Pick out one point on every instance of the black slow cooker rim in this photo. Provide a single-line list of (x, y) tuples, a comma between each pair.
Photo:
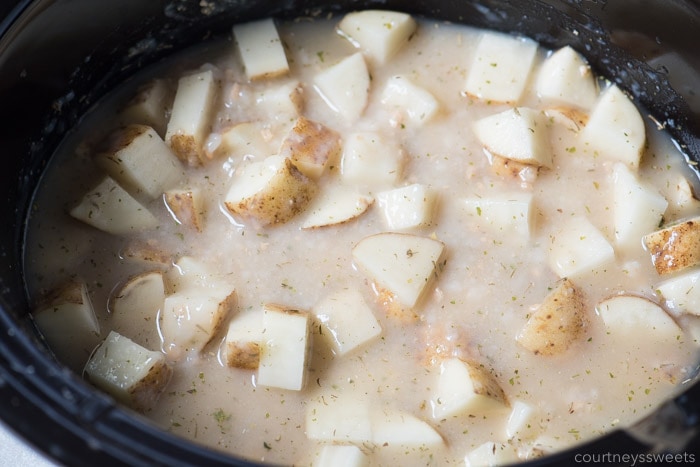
[(93, 429)]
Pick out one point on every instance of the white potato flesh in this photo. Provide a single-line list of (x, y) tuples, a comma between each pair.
[(465, 388), (676, 247), (139, 300), (67, 321), (246, 139), (631, 317), (336, 205), (378, 33), (557, 323), (346, 321), (401, 263), (190, 119), (150, 106), (637, 208), (311, 146), (261, 49), (271, 191), (565, 78), (408, 207), (338, 455), (509, 216), (500, 68), (682, 292), (521, 422), (414, 105), (285, 348), (394, 429), (579, 248), (491, 453), (243, 343), (681, 198), (132, 374), (340, 418), (615, 129), (186, 207), (140, 161), (345, 86), (283, 102), (370, 159), (110, 208), (190, 319), (520, 134)]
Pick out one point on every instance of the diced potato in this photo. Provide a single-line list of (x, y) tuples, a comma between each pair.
[(186, 207), (414, 104), (682, 292), (246, 139), (565, 78), (345, 86), (271, 191), (283, 102), (465, 388), (137, 157), (380, 34), (408, 207), (243, 344), (135, 306), (519, 134), (369, 159), (67, 321), (132, 374), (191, 318), (675, 247), (558, 322), (491, 453), (346, 321), (147, 251), (338, 455), (285, 348), (110, 208), (509, 215), (404, 264), (338, 418), (150, 106), (189, 123), (615, 129), (521, 423), (633, 317), (393, 429), (311, 146), (336, 205), (579, 248), (681, 198), (261, 49), (500, 68), (638, 209)]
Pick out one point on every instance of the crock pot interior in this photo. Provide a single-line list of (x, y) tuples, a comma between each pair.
[(59, 57)]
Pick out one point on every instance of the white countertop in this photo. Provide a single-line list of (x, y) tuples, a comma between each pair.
[(16, 453)]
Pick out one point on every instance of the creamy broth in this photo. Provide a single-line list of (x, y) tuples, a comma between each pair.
[(490, 280)]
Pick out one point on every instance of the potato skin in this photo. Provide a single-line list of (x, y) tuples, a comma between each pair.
[(558, 322), (287, 193), (676, 247)]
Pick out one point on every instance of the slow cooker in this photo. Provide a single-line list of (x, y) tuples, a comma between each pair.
[(59, 57)]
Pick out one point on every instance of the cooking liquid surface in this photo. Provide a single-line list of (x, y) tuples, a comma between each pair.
[(491, 281)]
